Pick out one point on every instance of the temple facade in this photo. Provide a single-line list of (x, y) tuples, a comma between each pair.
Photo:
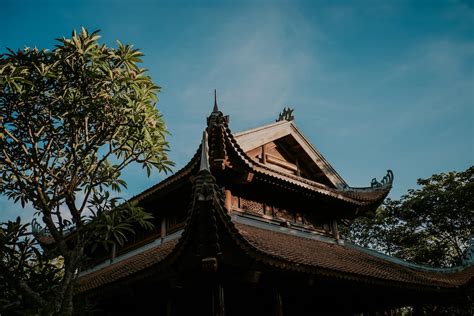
[(250, 227)]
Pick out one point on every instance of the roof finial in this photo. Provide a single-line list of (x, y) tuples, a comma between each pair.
[(215, 102), (286, 115), (204, 153)]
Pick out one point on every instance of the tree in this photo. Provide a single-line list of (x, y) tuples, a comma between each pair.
[(71, 120), (25, 271), (431, 225)]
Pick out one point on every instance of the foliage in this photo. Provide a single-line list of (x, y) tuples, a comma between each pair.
[(24, 272), (430, 225), (112, 223), (71, 120)]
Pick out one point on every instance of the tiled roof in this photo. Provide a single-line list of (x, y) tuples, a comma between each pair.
[(125, 267), (366, 197), (374, 194), (320, 257), (270, 246), (348, 262), (178, 175)]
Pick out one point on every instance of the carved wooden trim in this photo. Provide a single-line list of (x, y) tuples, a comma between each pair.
[(251, 206), (274, 213)]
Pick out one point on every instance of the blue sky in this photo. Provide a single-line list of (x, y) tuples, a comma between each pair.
[(376, 85)]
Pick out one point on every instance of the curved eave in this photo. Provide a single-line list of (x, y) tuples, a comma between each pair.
[(124, 269), (333, 260), (285, 250), (148, 261), (178, 175)]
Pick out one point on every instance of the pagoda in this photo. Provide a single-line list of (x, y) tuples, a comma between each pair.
[(250, 227)]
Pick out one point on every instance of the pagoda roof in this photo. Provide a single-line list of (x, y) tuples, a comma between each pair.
[(283, 249), (303, 253), (126, 267), (310, 256), (294, 253), (230, 150), (210, 232)]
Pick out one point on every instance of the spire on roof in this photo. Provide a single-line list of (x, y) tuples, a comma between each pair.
[(286, 115), (204, 153), (216, 117), (215, 109)]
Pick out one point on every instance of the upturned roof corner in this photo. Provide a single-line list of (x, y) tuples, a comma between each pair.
[(386, 181)]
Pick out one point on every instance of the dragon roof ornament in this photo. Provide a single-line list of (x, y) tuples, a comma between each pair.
[(386, 180), (286, 115)]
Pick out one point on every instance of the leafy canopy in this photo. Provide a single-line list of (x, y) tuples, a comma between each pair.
[(71, 120), (25, 271), (429, 225)]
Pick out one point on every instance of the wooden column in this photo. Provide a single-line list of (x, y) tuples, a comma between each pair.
[(264, 155), (113, 252), (278, 304), (163, 227), (335, 230), (218, 307), (228, 200), (169, 307)]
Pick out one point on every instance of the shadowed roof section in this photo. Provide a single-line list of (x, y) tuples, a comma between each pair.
[(125, 267), (294, 253), (343, 261)]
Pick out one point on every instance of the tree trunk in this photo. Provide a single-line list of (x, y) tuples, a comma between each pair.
[(65, 303)]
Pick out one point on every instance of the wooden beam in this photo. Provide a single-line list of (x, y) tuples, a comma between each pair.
[(228, 200), (281, 163)]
